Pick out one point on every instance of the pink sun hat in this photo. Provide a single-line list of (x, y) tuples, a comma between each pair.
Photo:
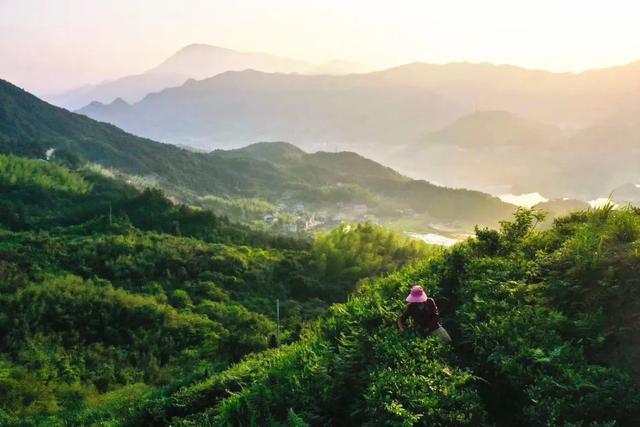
[(417, 295)]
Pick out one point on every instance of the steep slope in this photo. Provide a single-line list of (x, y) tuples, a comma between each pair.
[(31, 127), (108, 294), (541, 328), (195, 61)]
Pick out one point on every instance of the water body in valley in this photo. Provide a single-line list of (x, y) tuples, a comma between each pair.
[(526, 200)]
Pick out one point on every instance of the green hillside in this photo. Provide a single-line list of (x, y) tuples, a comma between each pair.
[(29, 127), (265, 172), (122, 307), (161, 315), (545, 333), (108, 293)]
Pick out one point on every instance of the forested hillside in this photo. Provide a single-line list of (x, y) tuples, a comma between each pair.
[(121, 308), (282, 173), (201, 236), (108, 293), (545, 331)]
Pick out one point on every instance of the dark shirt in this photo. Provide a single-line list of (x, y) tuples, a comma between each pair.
[(424, 315)]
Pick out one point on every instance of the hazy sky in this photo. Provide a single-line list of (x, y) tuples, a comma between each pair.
[(51, 45)]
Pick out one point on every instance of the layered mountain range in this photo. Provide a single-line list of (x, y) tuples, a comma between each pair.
[(195, 61), (500, 152), (273, 172), (496, 128)]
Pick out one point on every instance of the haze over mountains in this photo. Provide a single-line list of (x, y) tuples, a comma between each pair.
[(347, 184), (495, 128), (573, 100), (237, 108), (195, 61), (201, 236), (500, 152)]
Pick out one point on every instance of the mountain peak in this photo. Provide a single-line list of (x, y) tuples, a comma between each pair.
[(119, 102), (493, 127), (494, 117), (197, 61), (273, 151), (102, 111), (95, 104), (200, 48)]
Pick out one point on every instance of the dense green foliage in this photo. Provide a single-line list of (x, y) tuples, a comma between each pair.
[(545, 333), (47, 176), (38, 195), (244, 210), (121, 307), (108, 293), (137, 320), (348, 254)]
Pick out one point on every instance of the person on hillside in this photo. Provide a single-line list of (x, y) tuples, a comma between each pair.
[(424, 315), (273, 341)]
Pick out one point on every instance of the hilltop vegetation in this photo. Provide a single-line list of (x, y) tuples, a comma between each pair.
[(108, 293)]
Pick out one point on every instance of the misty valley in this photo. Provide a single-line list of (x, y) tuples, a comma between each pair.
[(244, 239)]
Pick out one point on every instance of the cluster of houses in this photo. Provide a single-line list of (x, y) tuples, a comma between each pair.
[(298, 219)]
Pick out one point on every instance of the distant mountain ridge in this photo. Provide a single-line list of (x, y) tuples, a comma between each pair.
[(481, 150), (233, 109), (567, 100), (489, 121), (195, 61), (500, 152), (493, 128), (269, 171)]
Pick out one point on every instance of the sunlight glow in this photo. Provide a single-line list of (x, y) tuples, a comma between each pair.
[(526, 200), (70, 42)]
